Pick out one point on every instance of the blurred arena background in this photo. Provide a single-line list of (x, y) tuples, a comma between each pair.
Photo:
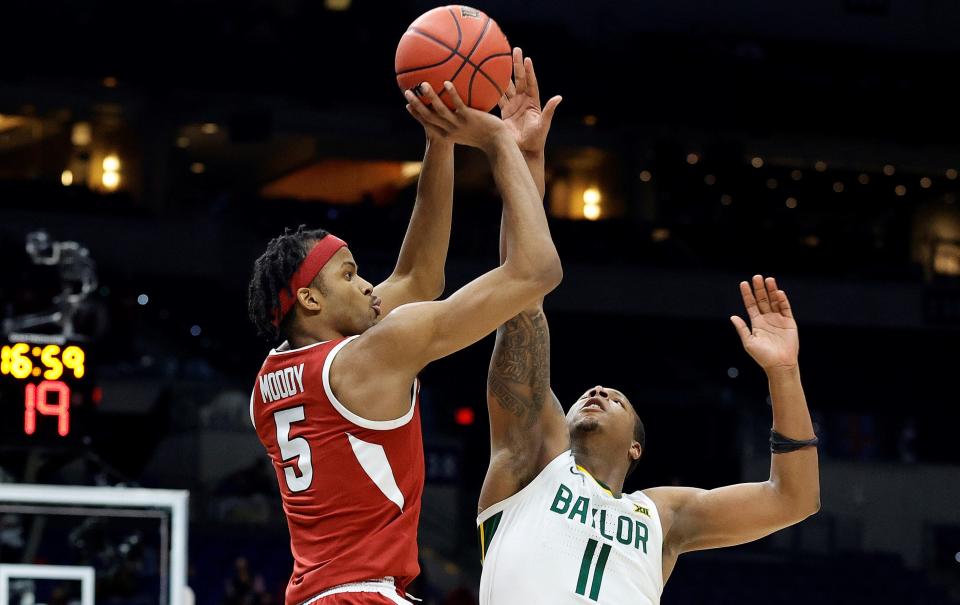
[(148, 151)]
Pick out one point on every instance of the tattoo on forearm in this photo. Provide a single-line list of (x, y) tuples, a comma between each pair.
[(519, 375)]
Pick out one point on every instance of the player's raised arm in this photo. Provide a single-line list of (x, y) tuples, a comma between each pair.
[(521, 112), (698, 519), (527, 427), (413, 335), (419, 273)]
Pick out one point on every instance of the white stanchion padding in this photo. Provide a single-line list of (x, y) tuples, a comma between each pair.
[(84, 575), (176, 501)]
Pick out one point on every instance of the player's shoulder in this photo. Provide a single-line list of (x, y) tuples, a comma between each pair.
[(285, 351), (668, 499), (562, 466), (643, 498), (561, 461), (669, 494), (398, 326), (284, 354), (545, 482)]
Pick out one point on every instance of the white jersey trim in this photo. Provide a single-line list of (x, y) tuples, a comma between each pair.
[(376, 425), (561, 460), (252, 421), (384, 587), (298, 349), (373, 459)]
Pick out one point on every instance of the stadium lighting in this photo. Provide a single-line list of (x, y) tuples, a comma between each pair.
[(81, 134), (591, 197), (111, 180), (111, 163), (410, 169)]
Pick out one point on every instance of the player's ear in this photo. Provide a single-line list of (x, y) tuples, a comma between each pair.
[(635, 450), (311, 299)]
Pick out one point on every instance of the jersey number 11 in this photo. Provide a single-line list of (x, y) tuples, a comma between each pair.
[(587, 563)]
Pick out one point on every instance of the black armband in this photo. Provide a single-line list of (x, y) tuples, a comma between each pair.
[(783, 445)]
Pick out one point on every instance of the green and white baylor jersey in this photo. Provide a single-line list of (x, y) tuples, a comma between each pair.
[(564, 538)]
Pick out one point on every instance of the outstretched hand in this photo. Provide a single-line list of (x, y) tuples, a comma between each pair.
[(772, 339), (462, 125), (520, 107)]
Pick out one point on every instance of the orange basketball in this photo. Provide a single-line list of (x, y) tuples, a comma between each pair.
[(459, 44)]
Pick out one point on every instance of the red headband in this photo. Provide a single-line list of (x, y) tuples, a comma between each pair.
[(309, 268)]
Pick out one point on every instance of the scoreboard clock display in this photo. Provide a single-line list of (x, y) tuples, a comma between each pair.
[(46, 390)]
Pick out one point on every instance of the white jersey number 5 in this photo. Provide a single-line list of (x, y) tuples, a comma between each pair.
[(294, 448)]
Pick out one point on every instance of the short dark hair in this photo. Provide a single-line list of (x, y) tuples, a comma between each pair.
[(640, 436), (272, 273)]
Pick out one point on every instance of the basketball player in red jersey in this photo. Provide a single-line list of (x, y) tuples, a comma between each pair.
[(336, 405)]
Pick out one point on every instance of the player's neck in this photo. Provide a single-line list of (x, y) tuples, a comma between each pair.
[(305, 335), (601, 467)]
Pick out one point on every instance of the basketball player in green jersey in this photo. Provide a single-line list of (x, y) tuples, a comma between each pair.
[(554, 524)]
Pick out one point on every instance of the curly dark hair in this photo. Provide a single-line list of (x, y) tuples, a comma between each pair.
[(272, 273)]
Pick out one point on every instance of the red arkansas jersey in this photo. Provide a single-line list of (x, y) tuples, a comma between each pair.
[(350, 486)]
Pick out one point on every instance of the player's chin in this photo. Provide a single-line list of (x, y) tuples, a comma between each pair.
[(363, 324), (585, 424)]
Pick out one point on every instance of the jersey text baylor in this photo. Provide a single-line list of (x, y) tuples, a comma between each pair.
[(565, 539)]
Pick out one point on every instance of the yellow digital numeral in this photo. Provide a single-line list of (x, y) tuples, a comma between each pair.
[(20, 366), (5, 360), (49, 359), (73, 358)]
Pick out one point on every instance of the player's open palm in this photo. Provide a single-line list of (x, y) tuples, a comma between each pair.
[(520, 106), (771, 339)]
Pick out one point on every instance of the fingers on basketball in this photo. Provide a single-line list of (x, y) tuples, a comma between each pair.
[(424, 114), (436, 105), (458, 104)]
